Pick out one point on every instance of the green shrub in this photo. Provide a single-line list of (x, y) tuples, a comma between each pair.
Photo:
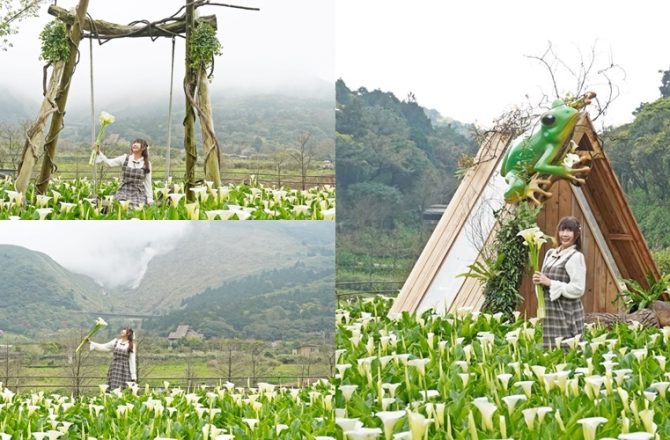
[(662, 258), (54, 42)]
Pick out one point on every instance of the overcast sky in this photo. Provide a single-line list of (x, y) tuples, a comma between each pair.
[(114, 253), (289, 42), (466, 59)]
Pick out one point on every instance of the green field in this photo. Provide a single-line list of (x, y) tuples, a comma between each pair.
[(53, 366), (73, 164)]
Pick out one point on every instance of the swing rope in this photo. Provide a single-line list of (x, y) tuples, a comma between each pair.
[(95, 186), (169, 137)]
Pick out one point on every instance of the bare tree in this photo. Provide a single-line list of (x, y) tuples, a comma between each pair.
[(189, 373), (79, 367), (256, 359), (231, 366), (11, 139), (303, 157), (12, 366), (280, 158), (305, 367), (589, 73), (144, 368), (331, 361)]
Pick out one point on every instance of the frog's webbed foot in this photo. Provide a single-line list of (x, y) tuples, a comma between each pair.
[(536, 190), (577, 166), (577, 181), (572, 146), (578, 173)]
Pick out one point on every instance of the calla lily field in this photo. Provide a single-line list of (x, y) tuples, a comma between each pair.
[(215, 413), (76, 199), (471, 375), (467, 375)]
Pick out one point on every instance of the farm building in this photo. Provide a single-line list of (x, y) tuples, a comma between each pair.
[(184, 331)]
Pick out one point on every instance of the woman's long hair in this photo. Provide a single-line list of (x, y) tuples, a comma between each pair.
[(572, 224), (145, 152), (129, 334)]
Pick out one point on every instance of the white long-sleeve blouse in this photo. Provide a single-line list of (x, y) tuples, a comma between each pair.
[(109, 346), (576, 268), (132, 163)]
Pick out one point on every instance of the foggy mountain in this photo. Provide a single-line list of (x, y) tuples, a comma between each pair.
[(251, 120), (292, 263), (227, 251)]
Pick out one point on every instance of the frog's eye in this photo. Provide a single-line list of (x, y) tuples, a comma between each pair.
[(548, 120)]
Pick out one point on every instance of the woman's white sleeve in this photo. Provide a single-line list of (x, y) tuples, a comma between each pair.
[(576, 268), (148, 187), (109, 346), (132, 363), (116, 162)]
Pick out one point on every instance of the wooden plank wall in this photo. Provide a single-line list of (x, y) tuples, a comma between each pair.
[(601, 287), (619, 227)]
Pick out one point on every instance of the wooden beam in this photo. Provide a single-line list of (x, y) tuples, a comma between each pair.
[(105, 30), (620, 237)]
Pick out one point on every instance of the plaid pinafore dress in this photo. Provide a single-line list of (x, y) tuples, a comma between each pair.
[(132, 186), (118, 375), (564, 316)]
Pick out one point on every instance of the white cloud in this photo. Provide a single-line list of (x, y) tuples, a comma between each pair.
[(114, 253), (467, 59)]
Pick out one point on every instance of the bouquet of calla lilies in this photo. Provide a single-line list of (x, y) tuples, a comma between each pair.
[(99, 323), (105, 120), (534, 238)]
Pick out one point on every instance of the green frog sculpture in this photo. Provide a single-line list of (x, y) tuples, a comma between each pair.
[(542, 153)]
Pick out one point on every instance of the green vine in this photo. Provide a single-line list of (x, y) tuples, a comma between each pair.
[(204, 46), (504, 274), (54, 42)]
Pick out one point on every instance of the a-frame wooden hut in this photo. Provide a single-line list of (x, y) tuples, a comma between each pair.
[(612, 242)]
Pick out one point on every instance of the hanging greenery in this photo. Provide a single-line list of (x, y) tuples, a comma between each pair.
[(504, 274), (204, 46), (54, 42)]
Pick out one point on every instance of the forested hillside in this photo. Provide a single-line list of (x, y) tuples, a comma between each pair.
[(37, 294), (281, 304), (393, 162), (640, 154)]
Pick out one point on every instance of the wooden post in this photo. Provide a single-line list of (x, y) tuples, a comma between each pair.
[(35, 134), (190, 79), (211, 149), (48, 165)]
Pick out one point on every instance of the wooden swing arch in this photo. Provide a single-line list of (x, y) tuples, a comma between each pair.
[(82, 25)]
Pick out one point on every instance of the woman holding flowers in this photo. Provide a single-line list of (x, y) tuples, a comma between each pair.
[(564, 276), (136, 182), (123, 368)]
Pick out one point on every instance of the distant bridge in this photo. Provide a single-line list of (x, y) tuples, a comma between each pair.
[(119, 315)]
